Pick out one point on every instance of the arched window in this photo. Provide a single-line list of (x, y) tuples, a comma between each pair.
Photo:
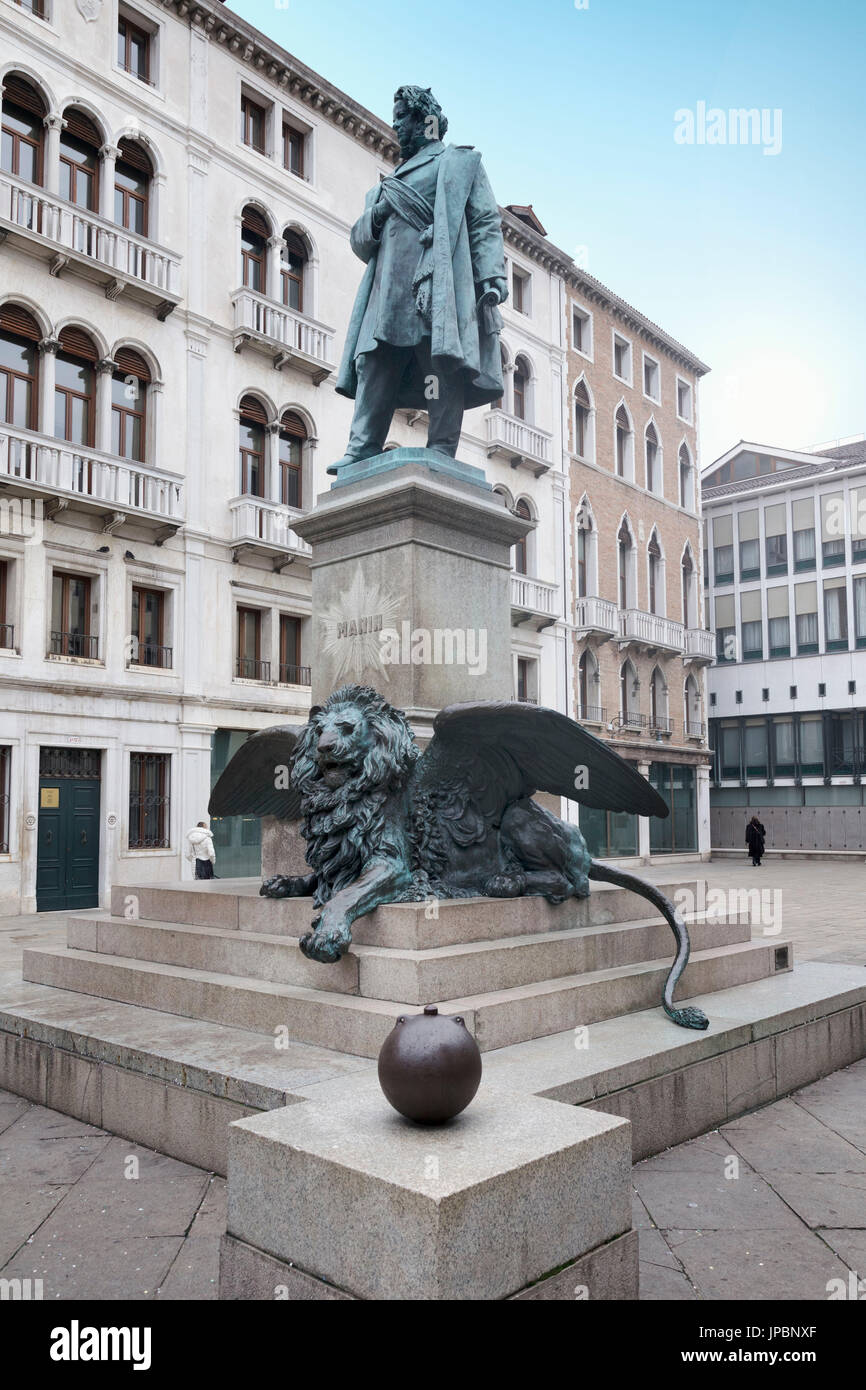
[(582, 557), (254, 246), (628, 691), (587, 683), (655, 576), (253, 422), (521, 389), (583, 683), (623, 443), (75, 387), (23, 129), (521, 556), (129, 383), (293, 435), (688, 575), (294, 265), (692, 698), (19, 337), (658, 701), (582, 420), (626, 560), (80, 143), (651, 444), (132, 177), (686, 499)]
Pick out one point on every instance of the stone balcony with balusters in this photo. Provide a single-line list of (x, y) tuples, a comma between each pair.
[(288, 337), (74, 240)]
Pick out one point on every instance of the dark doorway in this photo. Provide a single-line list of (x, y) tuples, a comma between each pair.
[(67, 866)]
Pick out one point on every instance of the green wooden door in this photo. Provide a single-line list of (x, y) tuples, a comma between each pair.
[(67, 865)]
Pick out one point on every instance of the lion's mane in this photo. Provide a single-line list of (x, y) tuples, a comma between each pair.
[(343, 826)]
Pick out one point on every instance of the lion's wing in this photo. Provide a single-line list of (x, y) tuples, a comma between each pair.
[(255, 782), (498, 753)]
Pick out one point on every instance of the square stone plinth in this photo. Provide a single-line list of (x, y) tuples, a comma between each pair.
[(381, 1208)]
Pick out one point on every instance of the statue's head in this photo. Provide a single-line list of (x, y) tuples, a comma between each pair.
[(418, 118), (354, 739)]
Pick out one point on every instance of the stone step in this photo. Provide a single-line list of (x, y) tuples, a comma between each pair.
[(175, 1083), (358, 1025), (235, 905), (406, 977)]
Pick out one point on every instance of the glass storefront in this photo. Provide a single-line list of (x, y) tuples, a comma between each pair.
[(678, 832), (237, 839)]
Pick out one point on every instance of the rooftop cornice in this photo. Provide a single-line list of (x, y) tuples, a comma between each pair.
[(267, 59), (552, 258)]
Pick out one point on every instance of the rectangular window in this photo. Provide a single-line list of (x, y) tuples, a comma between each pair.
[(249, 663), (776, 539), (835, 616), (684, 400), (860, 610), (723, 549), (803, 517), (526, 678), (294, 150), (147, 636), (751, 617), (778, 621), (34, 7), (832, 529), (70, 617), (520, 287), (291, 670), (750, 545), (7, 631), (253, 123), (622, 358), (581, 331), (730, 751), (858, 523), (651, 378), (756, 749), (726, 631), (806, 617), (149, 800), (783, 747), (811, 746), (133, 49)]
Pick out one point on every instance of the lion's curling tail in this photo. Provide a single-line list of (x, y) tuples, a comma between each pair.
[(688, 1017)]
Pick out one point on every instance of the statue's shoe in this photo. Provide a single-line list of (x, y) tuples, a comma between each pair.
[(334, 468)]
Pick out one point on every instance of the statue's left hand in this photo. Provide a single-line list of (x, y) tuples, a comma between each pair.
[(498, 284)]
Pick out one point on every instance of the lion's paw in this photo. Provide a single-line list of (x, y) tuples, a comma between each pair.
[(511, 885), (328, 941)]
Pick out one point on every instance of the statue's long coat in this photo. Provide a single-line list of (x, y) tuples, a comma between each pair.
[(467, 248)]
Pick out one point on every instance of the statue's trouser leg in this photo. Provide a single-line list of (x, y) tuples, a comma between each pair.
[(445, 408), (379, 375)]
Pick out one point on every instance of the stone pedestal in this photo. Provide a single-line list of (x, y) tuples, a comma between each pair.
[(411, 575), (345, 1198)]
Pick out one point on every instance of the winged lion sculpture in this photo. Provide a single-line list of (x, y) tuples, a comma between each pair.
[(385, 822)]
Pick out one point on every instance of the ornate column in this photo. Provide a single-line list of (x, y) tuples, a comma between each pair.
[(105, 368), (270, 487), (51, 155), (273, 288), (48, 349), (108, 154)]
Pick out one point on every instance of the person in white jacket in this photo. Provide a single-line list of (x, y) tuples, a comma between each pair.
[(200, 850)]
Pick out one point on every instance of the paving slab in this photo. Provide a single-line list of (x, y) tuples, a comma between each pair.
[(823, 1199), (757, 1264), (703, 1201), (787, 1137)]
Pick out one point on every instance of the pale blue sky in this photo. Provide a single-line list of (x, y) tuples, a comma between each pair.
[(754, 261)]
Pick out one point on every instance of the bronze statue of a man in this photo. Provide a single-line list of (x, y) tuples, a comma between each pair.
[(424, 331)]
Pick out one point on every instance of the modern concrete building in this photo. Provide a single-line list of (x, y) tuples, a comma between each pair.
[(785, 566), (176, 194)]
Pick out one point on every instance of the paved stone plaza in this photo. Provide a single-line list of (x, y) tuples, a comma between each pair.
[(772, 1205)]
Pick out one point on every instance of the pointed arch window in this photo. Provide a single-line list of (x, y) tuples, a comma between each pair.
[(254, 242), (582, 416), (23, 132), (686, 499), (293, 436), (651, 443), (19, 375), (521, 389), (624, 549), (80, 143), (623, 442), (655, 574), (688, 579)]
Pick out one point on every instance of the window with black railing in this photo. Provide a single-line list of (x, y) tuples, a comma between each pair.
[(149, 800), (147, 638), (70, 633)]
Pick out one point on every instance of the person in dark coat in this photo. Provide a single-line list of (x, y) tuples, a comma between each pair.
[(755, 835)]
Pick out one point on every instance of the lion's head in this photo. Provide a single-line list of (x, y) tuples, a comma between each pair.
[(356, 741)]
